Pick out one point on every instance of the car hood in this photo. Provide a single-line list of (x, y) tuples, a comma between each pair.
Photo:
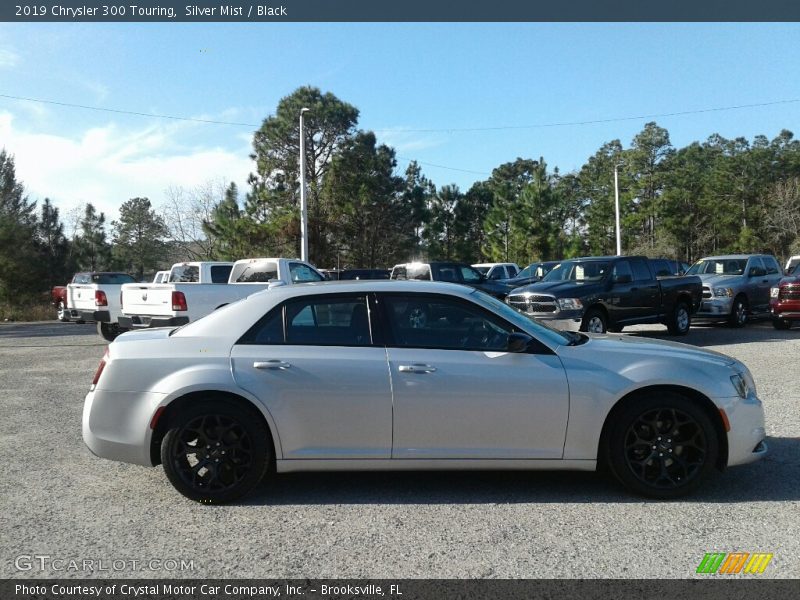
[(560, 289), (602, 347), (714, 280)]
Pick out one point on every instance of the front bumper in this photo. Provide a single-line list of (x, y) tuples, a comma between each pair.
[(116, 425), (714, 308), (145, 321), (746, 439)]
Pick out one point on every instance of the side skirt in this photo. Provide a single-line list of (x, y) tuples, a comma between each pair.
[(458, 464)]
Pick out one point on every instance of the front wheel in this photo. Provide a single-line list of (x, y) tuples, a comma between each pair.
[(680, 320), (61, 312), (215, 451), (781, 323), (738, 316), (662, 446), (594, 321)]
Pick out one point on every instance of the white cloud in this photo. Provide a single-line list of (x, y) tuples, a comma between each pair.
[(108, 165), (408, 141), (8, 58)]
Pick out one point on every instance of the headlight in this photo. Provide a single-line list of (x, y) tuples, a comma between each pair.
[(570, 304), (740, 385), (773, 292), (723, 292)]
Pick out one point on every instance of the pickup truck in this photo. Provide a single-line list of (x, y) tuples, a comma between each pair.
[(197, 289), (95, 297), (606, 293), (453, 272), (58, 298), (784, 302), (736, 287)]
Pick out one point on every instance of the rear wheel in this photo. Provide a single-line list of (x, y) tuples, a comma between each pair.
[(738, 316), (781, 323), (594, 321), (680, 320), (215, 451), (61, 312), (662, 446)]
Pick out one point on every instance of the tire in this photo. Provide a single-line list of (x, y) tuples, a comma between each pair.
[(61, 312), (680, 320), (594, 321), (781, 323), (661, 446), (236, 451), (738, 316), (109, 331)]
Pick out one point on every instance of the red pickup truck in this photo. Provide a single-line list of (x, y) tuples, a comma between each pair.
[(58, 298), (784, 301)]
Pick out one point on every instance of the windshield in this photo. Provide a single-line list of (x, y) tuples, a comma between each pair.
[(572, 270), (519, 318), (718, 266)]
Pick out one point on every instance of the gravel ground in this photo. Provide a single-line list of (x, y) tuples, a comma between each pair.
[(60, 501)]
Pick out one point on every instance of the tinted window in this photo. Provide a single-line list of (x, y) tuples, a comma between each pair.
[(771, 264), (220, 273), (418, 321), (184, 274), (661, 267), (469, 275), (447, 273), (268, 330), (328, 321), (640, 270), (301, 273), (499, 272), (257, 271), (512, 271), (112, 278), (622, 267)]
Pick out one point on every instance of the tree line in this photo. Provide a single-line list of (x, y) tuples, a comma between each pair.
[(719, 195)]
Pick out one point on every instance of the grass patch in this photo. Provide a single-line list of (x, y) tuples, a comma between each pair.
[(32, 312)]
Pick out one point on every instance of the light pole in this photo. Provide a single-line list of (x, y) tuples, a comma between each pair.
[(303, 207), (616, 206)]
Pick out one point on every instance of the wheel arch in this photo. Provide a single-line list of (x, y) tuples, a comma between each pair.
[(174, 407), (599, 306), (704, 402)]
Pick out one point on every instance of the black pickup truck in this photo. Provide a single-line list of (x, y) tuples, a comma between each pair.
[(606, 293)]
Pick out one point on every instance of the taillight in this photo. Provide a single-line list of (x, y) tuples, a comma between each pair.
[(100, 298), (99, 370), (178, 301)]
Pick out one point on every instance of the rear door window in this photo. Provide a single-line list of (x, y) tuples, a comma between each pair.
[(220, 273), (641, 272), (326, 321)]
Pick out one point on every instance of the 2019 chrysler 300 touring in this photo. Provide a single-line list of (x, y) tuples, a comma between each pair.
[(412, 375)]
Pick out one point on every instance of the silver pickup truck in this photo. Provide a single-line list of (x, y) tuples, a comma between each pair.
[(736, 286)]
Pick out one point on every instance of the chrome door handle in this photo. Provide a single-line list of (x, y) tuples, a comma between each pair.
[(416, 368), (271, 364)]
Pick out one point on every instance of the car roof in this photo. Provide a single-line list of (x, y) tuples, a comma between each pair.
[(734, 256), (367, 285)]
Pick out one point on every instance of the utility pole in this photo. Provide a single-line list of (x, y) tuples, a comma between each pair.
[(303, 203), (616, 207)]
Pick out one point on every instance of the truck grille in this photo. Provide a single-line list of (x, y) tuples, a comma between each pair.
[(706, 291), (789, 292), (533, 304)]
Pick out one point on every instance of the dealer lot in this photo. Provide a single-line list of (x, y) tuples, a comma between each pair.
[(64, 503)]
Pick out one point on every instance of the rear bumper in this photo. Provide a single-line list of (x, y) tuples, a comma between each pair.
[(145, 321), (100, 316)]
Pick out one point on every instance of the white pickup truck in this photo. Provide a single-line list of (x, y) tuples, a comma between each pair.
[(186, 299), (95, 297)]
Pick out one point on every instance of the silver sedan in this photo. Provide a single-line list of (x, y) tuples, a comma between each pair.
[(412, 375)]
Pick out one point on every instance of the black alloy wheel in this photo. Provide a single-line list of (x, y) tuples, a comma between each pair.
[(662, 447), (216, 453), (738, 316)]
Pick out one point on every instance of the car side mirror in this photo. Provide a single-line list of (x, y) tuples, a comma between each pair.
[(625, 278), (518, 342)]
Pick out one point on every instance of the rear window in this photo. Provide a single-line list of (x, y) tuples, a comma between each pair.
[(260, 271), (112, 278), (185, 274), (418, 272)]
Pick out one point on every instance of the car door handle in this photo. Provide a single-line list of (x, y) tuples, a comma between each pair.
[(416, 368), (271, 364)]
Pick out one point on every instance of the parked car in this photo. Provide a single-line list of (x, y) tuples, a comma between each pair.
[(495, 271), (358, 274), (736, 287), (607, 293), (195, 290), (784, 303), (58, 298), (791, 264), (96, 297), (453, 272), (531, 274), (267, 384)]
